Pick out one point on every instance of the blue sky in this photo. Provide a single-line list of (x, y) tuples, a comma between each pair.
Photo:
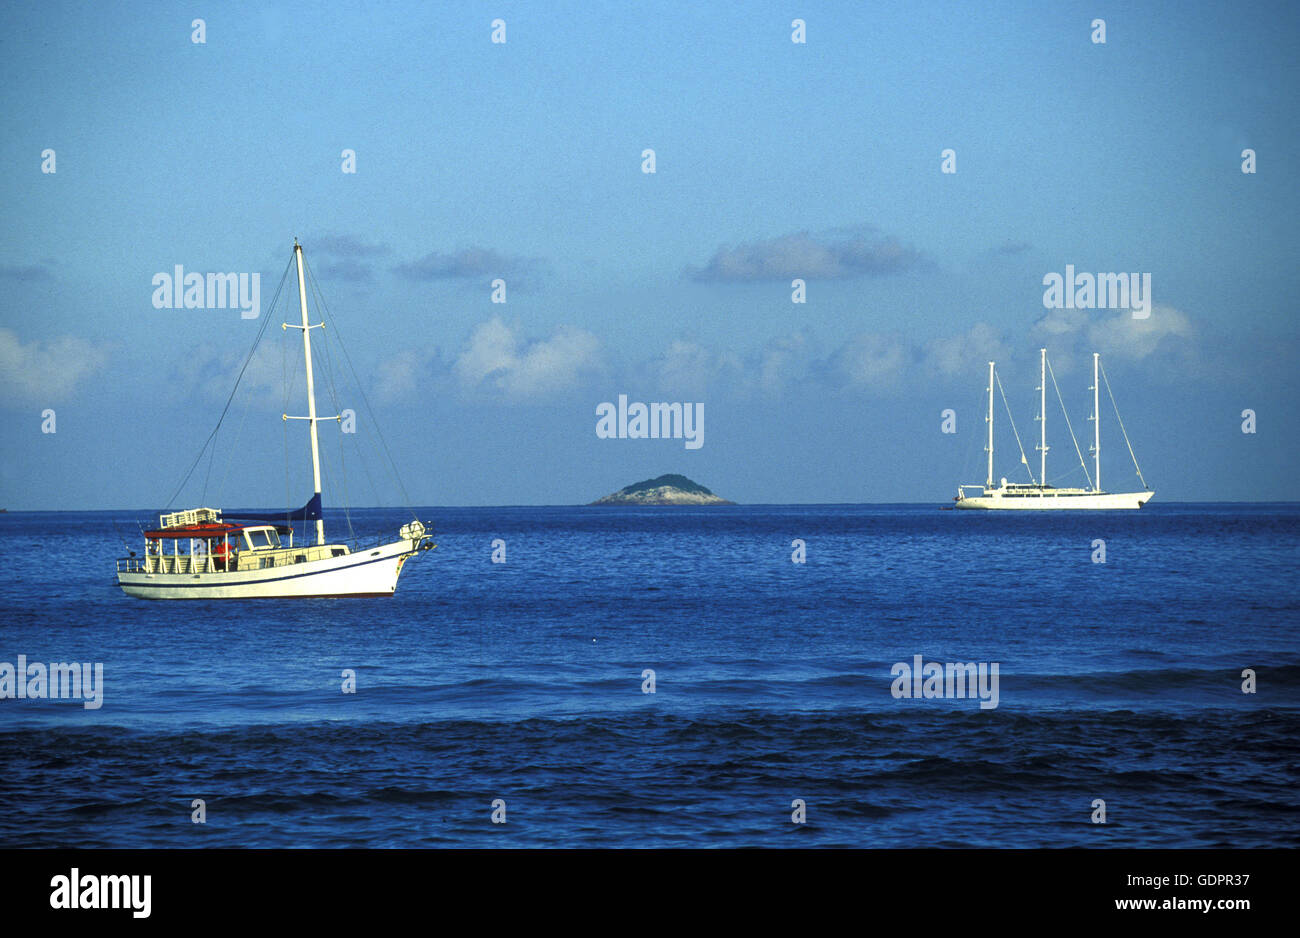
[(523, 160)]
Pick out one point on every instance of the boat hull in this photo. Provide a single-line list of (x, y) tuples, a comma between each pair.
[(1053, 501), (371, 572)]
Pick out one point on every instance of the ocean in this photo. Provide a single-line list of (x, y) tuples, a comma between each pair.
[(516, 692)]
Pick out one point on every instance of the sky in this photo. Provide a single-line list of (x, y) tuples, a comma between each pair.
[(525, 161)]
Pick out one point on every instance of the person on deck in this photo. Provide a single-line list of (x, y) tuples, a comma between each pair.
[(219, 554)]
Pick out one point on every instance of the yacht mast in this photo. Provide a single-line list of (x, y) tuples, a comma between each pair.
[(989, 419), (311, 387), (1096, 427), (1042, 415)]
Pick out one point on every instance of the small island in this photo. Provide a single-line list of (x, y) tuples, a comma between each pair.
[(665, 490)]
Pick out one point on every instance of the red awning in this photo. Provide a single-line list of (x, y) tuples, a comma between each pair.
[(185, 531)]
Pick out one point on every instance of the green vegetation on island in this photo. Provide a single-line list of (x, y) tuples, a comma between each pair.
[(669, 489)]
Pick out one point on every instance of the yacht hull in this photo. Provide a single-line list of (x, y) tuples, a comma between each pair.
[(372, 572), (1052, 501)]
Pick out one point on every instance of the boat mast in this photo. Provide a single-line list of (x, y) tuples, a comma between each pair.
[(1096, 427), (1042, 415), (311, 387), (988, 484)]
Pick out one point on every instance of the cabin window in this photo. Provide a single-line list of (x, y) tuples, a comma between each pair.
[(262, 539)]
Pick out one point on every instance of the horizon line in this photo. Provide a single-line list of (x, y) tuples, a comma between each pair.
[(1166, 501)]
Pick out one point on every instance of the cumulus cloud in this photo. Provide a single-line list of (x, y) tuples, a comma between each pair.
[(402, 375), (784, 361), (472, 263), (344, 257), (1114, 334), (496, 358), (46, 371), (686, 367), (212, 375), (884, 362), (1137, 338), (871, 360), (835, 256), (957, 353), (347, 269)]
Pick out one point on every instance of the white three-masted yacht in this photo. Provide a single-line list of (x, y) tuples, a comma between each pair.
[(195, 554), (1037, 495)]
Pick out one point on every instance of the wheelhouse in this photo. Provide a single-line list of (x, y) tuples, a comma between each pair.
[(198, 541)]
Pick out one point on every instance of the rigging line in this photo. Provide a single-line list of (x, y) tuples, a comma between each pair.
[(328, 371), (260, 332), (335, 401), (288, 511), (374, 489), (970, 447), (120, 537), (212, 458), (1012, 420), (1121, 427), (239, 433), (290, 371), (365, 467), (374, 422), (284, 424), (1066, 413), (406, 498)]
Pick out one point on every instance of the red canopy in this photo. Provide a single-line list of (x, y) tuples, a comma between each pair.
[(185, 531)]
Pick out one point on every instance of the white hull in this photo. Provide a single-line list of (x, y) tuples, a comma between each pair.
[(1055, 501), (371, 572)]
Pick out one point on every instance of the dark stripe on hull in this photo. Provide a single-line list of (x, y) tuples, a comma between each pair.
[(199, 599), (278, 579)]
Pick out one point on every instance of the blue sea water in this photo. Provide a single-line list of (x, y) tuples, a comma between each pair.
[(523, 681)]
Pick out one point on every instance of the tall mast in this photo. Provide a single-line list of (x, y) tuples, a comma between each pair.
[(311, 387), (1042, 415), (989, 419), (1096, 426)]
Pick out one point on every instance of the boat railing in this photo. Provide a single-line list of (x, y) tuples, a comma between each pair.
[(167, 563), (243, 560)]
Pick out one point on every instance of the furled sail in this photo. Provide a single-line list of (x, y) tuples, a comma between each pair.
[(308, 512)]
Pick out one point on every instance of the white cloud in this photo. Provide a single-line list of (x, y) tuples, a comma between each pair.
[(831, 256), (960, 352), (784, 361), (1071, 334), (402, 375), (1137, 338), (871, 360), (46, 371), (496, 357), (688, 367)]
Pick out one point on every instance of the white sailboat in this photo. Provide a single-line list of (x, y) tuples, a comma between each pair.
[(212, 558), (1037, 495)]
